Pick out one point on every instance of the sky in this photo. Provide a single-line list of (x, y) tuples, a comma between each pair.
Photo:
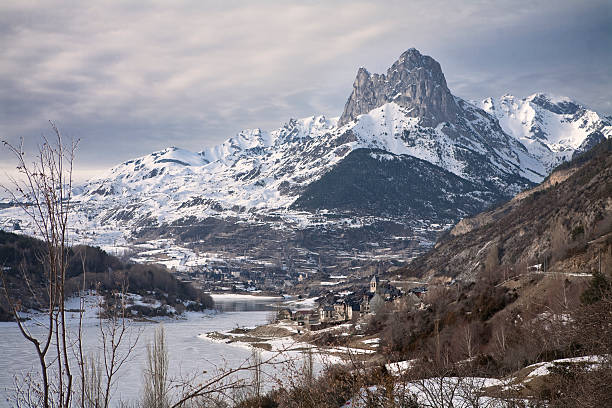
[(128, 78)]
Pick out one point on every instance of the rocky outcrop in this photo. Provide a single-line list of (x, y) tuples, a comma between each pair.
[(414, 81)]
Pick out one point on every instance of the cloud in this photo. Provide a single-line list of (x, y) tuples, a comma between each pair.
[(132, 77)]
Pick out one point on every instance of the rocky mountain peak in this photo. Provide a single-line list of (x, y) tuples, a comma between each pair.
[(558, 105), (414, 81)]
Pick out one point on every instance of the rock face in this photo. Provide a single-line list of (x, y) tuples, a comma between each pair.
[(414, 81)]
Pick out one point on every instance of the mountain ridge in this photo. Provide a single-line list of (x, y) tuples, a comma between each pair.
[(275, 177), (553, 129), (258, 170)]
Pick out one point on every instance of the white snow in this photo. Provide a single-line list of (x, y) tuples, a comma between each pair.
[(543, 369), (400, 367), (459, 392), (548, 136), (259, 173)]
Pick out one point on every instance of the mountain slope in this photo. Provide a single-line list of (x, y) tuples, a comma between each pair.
[(552, 128), (451, 158), (562, 223), (258, 170), (379, 182)]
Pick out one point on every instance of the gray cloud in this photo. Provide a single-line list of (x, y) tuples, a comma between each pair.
[(132, 77)]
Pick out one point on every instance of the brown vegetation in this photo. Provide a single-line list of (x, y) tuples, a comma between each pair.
[(545, 226)]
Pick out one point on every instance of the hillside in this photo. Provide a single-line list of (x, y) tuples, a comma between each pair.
[(520, 294), (562, 224), (23, 278), (418, 189), (511, 329)]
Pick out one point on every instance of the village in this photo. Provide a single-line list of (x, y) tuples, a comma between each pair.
[(334, 306), (331, 318), (315, 295)]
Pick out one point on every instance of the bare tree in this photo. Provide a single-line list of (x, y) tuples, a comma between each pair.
[(156, 384), (308, 366), (118, 340), (257, 382), (92, 393), (439, 387), (500, 339), (43, 190)]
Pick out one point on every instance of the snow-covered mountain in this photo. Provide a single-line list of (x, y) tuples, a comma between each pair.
[(552, 129), (259, 170), (404, 149), (269, 170)]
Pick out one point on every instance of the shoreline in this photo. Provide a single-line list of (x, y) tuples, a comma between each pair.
[(286, 336), (243, 296)]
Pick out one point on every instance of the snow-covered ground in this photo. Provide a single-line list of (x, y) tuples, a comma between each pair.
[(461, 391), (544, 369), (457, 392), (287, 350), (400, 367)]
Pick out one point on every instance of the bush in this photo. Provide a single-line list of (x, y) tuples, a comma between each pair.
[(598, 288), (576, 232)]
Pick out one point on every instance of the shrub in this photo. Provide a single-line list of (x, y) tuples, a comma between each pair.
[(598, 287)]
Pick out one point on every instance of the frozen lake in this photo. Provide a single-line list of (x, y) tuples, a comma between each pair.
[(188, 353)]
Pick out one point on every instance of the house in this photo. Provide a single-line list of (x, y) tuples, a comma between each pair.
[(346, 310), (326, 313), (410, 301), (304, 317), (364, 305), (418, 291), (340, 311)]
